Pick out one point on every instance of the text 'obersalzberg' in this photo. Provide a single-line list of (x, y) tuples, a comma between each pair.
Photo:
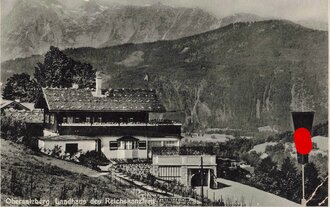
[(61, 202)]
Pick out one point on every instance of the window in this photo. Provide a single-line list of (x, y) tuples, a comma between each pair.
[(99, 119), (88, 119), (170, 143), (142, 145), (71, 148), (121, 145), (70, 119), (51, 119), (135, 144), (76, 120), (65, 119), (113, 145), (131, 119), (155, 143), (169, 173), (129, 145)]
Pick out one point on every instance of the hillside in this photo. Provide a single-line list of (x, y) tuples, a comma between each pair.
[(243, 75), (25, 174), (314, 24), (241, 17)]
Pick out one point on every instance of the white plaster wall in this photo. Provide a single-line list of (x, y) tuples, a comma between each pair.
[(175, 142), (121, 154), (143, 154), (84, 145), (105, 148)]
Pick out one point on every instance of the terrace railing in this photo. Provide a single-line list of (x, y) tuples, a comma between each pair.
[(198, 150)]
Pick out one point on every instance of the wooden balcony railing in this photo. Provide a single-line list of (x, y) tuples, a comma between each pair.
[(119, 129), (120, 124)]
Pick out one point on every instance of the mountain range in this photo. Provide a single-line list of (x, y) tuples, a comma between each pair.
[(48, 23), (242, 75), (98, 24)]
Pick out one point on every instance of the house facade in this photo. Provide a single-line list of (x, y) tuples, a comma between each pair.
[(186, 169), (116, 122)]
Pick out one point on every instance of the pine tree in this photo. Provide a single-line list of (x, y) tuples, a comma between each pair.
[(312, 180), (289, 181), (265, 175)]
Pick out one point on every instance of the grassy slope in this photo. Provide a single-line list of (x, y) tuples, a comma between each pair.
[(235, 68), (48, 180)]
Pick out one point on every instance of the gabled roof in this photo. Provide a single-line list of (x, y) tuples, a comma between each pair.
[(6, 104), (120, 100), (127, 138)]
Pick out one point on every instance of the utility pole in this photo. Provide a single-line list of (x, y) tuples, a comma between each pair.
[(303, 200), (202, 181), (302, 125)]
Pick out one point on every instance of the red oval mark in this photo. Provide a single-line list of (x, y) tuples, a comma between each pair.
[(303, 141)]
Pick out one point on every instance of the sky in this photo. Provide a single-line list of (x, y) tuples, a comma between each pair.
[(284, 9)]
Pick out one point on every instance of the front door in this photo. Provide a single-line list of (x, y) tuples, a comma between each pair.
[(196, 178)]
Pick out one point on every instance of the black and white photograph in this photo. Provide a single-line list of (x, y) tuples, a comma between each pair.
[(164, 103)]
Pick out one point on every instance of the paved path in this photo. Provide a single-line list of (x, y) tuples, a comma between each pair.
[(251, 196)]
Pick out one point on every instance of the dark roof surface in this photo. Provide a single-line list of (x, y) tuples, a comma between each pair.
[(121, 100), (5, 103), (35, 116), (67, 138)]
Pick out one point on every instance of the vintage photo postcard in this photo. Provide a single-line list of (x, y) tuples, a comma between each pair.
[(164, 103)]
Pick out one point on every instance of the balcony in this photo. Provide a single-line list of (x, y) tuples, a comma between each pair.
[(151, 129), (96, 124)]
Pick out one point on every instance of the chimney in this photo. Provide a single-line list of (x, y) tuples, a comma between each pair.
[(98, 81)]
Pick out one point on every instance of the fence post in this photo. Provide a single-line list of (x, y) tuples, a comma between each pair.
[(213, 198)]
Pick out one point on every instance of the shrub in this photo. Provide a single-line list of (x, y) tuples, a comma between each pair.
[(19, 132), (56, 151), (14, 130), (92, 159)]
